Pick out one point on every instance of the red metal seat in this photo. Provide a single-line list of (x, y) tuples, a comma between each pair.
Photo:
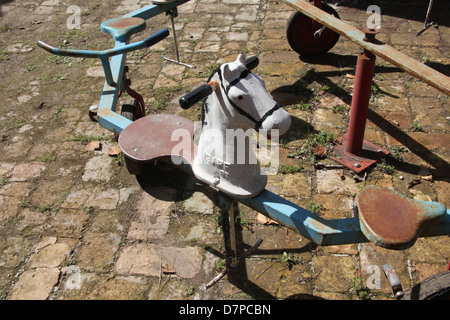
[(122, 28), (391, 220), (155, 137)]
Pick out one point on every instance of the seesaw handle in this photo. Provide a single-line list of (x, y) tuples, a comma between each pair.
[(200, 93), (153, 39), (104, 55), (252, 63)]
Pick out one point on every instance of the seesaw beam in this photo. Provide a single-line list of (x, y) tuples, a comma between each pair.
[(384, 51)]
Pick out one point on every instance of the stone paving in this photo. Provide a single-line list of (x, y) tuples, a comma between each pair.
[(75, 224)]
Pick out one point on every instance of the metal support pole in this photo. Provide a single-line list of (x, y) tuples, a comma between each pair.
[(232, 232), (426, 25), (394, 281), (353, 151), (173, 13), (430, 5), (360, 103), (318, 5)]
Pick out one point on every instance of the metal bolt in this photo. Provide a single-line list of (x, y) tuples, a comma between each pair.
[(398, 295), (136, 149), (357, 165), (216, 181), (318, 33), (370, 34)]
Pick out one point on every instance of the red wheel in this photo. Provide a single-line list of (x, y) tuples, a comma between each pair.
[(300, 34)]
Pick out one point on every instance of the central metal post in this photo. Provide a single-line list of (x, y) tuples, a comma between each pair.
[(232, 232), (360, 102), (353, 151)]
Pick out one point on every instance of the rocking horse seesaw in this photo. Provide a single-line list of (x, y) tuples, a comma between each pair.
[(235, 100), (382, 215), (232, 95)]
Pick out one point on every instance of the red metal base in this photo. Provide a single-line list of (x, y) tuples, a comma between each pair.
[(369, 155)]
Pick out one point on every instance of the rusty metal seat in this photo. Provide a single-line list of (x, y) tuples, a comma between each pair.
[(393, 221), (156, 137), (122, 28)]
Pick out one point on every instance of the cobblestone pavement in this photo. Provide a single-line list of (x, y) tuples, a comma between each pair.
[(75, 224)]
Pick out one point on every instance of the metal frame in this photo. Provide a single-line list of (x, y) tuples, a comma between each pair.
[(107, 117), (114, 69)]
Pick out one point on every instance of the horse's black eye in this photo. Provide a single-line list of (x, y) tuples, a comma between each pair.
[(240, 97)]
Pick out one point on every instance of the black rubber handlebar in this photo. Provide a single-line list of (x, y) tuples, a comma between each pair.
[(200, 93), (196, 95), (252, 63)]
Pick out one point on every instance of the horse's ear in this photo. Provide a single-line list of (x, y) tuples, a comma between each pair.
[(241, 59), (227, 72), (234, 67)]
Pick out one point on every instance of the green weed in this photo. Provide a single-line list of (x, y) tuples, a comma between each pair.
[(360, 289), (375, 92), (289, 260), (314, 208), (340, 108), (303, 106), (84, 138), (47, 159), (287, 169), (386, 168), (416, 127)]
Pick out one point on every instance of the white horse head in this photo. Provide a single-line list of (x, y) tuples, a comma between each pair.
[(225, 157)]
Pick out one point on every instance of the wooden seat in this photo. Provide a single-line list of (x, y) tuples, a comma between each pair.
[(122, 28), (391, 220)]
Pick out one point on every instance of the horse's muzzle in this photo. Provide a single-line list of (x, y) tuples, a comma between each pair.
[(280, 120)]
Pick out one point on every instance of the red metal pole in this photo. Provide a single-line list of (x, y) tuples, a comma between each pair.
[(316, 25), (318, 3), (360, 102)]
